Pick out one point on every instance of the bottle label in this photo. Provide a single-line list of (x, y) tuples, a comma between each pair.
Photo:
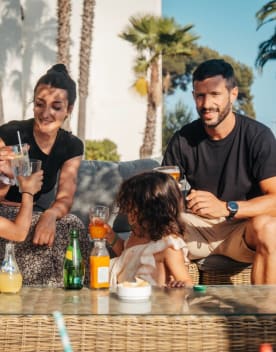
[(103, 273), (69, 254)]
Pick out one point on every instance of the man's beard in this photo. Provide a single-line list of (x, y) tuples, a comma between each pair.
[(224, 113)]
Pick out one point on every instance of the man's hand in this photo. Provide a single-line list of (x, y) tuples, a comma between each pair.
[(45, 229), (205, 204)]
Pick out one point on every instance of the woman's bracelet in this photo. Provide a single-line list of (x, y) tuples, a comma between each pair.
[(29, 193), (116, 237)]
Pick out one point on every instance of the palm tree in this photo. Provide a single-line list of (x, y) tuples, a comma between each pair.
[(84, 65), (63, 36), (154, 37), (64, 9), (267, 49)]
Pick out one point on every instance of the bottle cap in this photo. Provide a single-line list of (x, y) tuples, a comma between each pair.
[(74, 233), (200, 288)]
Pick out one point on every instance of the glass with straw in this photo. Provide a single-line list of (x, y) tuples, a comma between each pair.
[(20, 164)]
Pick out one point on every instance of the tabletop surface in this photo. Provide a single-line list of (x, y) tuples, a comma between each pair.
[(216, 300)]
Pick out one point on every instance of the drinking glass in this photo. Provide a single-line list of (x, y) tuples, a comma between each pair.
[(20, 164), (172, 170), (35, 165), (98, 215)]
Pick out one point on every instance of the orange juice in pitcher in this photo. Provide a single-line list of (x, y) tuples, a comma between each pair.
[(10, 276), (10, 282)]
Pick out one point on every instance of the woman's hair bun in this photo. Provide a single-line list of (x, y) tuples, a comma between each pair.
[(58, 68)]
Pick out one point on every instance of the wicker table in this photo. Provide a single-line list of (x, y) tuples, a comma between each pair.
[(224, 318)]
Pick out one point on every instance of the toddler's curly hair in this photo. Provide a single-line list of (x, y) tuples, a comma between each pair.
[(157, 201)]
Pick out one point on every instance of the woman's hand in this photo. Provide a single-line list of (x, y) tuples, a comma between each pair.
[(45, 229)]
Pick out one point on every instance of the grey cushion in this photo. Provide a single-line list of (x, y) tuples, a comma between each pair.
[(99, 182), (221, 263)]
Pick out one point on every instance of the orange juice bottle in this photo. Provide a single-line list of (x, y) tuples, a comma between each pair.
[(99, 265)]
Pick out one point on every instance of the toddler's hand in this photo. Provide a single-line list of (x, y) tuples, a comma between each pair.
[(172, 283), (32, 183)]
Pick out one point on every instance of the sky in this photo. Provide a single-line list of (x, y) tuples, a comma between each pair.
[(229, 27)]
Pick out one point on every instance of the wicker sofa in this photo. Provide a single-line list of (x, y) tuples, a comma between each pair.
[(99, 181)]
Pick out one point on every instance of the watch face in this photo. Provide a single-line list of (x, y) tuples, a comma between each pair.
[(232, 206)]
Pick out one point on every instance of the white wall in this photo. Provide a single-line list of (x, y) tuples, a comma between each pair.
[(114, 110)]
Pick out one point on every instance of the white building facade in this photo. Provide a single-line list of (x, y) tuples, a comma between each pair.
[(114, 110)]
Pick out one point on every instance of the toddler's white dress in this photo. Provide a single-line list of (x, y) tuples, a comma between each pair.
[(139, 261)]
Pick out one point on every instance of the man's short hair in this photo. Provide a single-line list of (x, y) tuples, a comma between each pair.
[(215, 67)]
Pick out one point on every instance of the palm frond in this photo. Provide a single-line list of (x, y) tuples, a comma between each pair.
[(141, 65), (267, 51), (263, 15)]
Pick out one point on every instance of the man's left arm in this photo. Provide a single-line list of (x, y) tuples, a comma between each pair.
[(265, 204), (206, 204)]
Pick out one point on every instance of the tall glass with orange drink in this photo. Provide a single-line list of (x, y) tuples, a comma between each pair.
[(172, 170), (99, 258), (98, 216)]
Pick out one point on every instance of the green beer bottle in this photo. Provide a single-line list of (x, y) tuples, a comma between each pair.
[(73, 267)]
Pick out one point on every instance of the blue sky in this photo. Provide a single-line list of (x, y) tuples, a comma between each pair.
[(229, 27)]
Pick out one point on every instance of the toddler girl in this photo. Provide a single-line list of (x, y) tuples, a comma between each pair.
[(155, 250)]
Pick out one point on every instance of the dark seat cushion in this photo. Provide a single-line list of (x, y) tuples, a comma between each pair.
[(220, 263)]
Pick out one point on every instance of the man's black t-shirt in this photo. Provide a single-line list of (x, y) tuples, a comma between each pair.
[(65, 147), (230, 168)]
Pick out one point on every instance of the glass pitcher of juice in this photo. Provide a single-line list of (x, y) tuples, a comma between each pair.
[(99, 265), (10, 276)]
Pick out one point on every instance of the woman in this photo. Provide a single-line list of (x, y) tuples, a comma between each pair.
[(61, 154)]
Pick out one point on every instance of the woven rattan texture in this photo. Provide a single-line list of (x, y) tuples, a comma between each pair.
[(138, 333), (194, 273), (221, 278)]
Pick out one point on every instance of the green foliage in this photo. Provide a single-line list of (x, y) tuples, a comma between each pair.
[(173, 121), (153, 36), (101, 150), (182, 67)]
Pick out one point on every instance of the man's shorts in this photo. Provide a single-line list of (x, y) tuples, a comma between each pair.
[(216, 236)]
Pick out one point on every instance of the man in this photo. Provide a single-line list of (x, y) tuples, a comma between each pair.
[(230, 162)]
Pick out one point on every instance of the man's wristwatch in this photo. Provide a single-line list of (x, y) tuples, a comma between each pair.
[(233, 208)]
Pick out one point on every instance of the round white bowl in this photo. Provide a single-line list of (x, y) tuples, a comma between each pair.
[(133, 292)]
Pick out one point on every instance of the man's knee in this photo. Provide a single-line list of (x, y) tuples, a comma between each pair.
[(261, 232)]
